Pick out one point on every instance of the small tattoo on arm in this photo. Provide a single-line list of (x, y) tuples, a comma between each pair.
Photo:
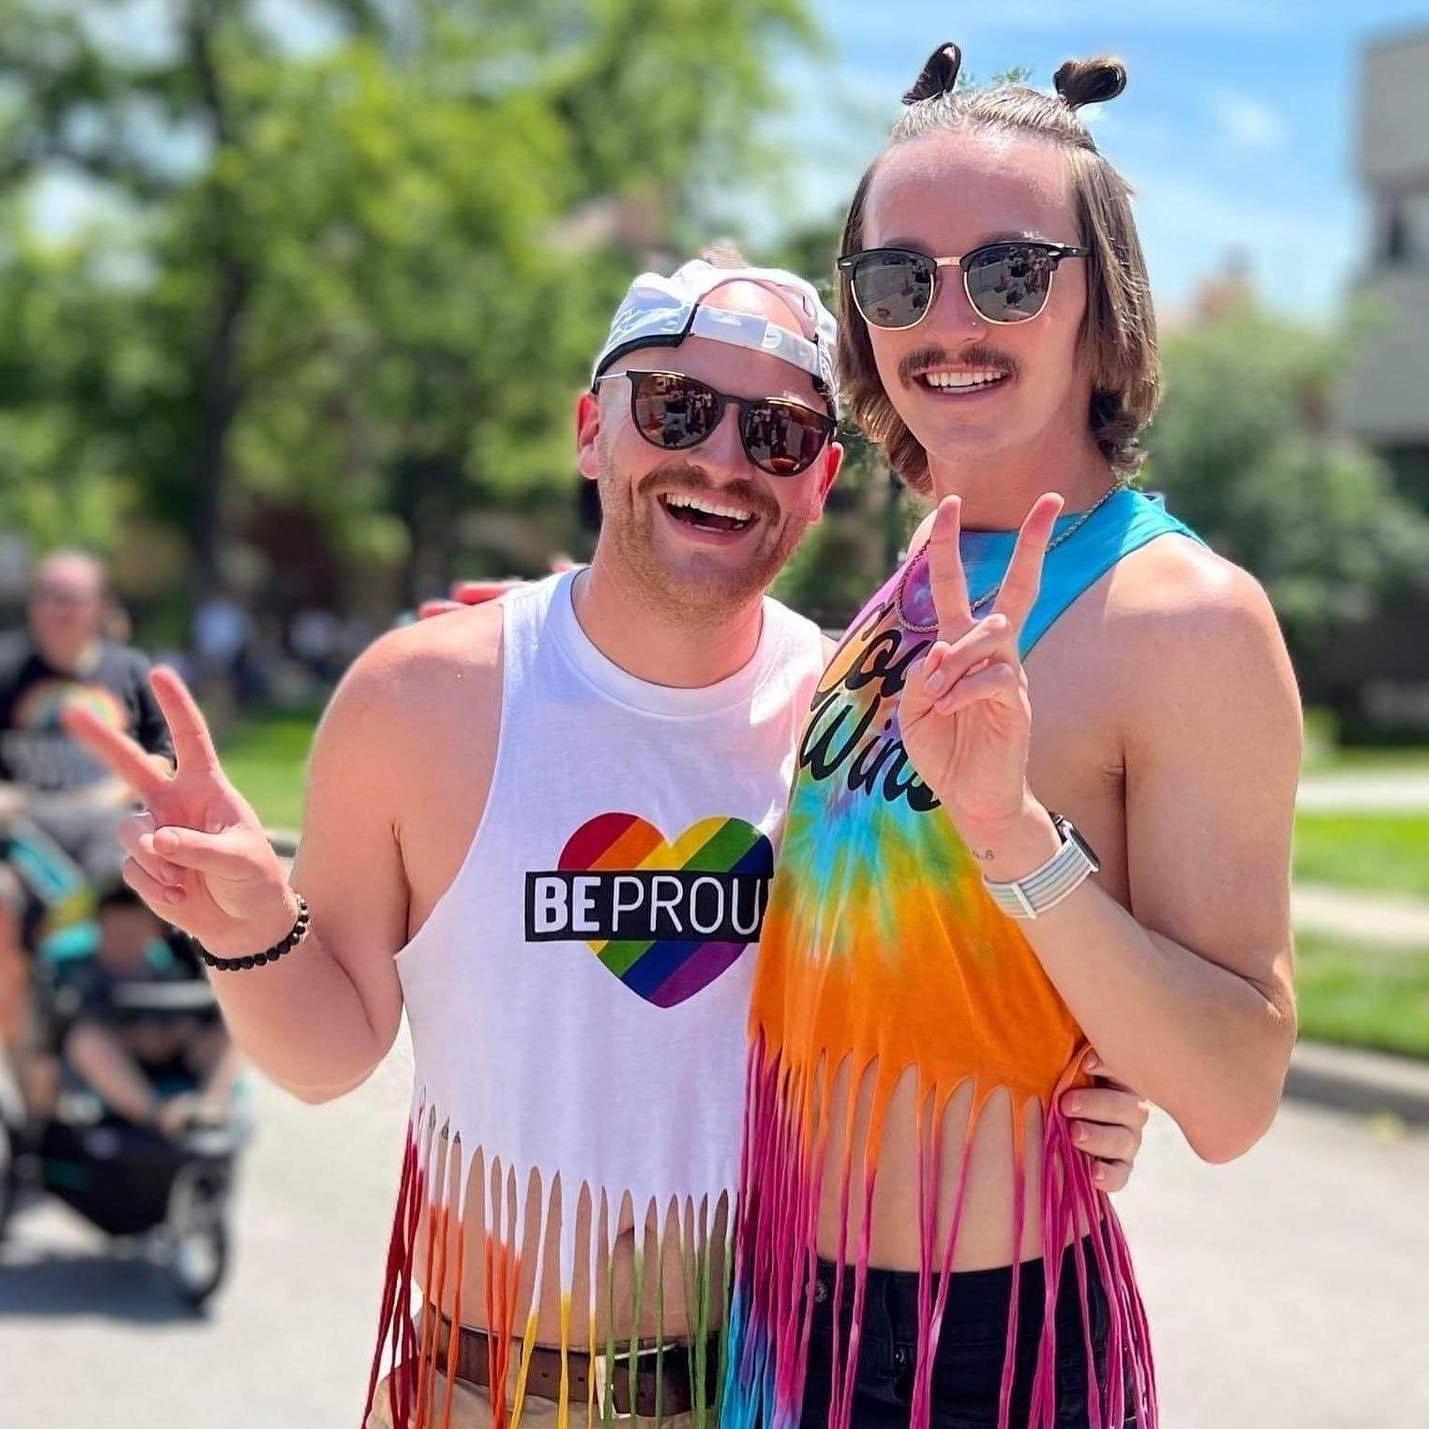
[(986, 855)]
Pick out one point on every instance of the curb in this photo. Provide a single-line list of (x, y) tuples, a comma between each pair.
[(1356, 1080)]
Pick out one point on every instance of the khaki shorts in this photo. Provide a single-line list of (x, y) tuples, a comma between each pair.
[(471, 1409)]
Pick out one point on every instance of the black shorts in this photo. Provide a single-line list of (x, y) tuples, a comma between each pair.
[(967, 1368)]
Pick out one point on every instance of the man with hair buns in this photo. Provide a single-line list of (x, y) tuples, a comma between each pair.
[(970, 898), (545, 826)]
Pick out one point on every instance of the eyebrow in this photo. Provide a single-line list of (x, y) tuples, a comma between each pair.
[(1006, 235)]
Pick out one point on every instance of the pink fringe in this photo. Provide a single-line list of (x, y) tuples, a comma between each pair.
[(776, 1258)]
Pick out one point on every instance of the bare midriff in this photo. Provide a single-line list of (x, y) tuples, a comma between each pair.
[(985, 1230), (615, 1300)]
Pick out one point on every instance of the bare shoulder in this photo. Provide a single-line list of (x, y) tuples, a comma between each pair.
[(1192, 631), (407, 672), (413, 690), (1174, 588), (466, 641)]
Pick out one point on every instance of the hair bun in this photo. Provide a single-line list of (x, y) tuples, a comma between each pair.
[(939, 75), (1090, 81)]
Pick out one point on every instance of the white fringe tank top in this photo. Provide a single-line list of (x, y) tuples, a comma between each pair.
[(578, 998)]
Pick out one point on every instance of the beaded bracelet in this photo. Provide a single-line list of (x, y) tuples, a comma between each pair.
[(258, 960)]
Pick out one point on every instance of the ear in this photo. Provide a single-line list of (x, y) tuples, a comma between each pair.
[(832, 464), (587, 434)]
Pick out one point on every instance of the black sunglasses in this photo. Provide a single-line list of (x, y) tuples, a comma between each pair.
[(674, 411), (1005, 282)]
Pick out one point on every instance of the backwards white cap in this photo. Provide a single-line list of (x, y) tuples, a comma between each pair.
[(663, 312)]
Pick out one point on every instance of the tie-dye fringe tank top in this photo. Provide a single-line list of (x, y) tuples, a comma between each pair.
[(577, 1002), (883, 952)]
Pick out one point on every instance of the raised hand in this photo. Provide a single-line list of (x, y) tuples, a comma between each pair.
[(965, 713), (197, 855)]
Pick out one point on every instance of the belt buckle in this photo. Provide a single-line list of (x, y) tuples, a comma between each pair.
[(604, 1367)]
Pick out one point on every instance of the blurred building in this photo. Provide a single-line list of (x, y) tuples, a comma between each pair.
[(1386, 398)]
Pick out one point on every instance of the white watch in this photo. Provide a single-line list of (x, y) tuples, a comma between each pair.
[(1046, 886)]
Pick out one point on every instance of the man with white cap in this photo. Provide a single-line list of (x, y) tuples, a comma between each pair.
[(545, 826)]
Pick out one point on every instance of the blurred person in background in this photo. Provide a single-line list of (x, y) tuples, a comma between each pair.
[(14, 966), (62, 659), (152, 1070), (941, 973), (318, 638), (545, 827), (223, 636)]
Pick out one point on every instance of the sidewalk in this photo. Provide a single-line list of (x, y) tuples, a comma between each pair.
[(1388, 918), (1370, 791)]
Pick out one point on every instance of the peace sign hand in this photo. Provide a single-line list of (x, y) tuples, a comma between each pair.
[(966, 716), (198, 856)]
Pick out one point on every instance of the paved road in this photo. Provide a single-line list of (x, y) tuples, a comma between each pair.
[(1287, 1290)]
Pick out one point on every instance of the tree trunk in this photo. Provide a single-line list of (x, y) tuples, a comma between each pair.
[(220, 398)]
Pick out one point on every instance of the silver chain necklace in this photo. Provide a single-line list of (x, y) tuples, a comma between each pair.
[(986, 596)]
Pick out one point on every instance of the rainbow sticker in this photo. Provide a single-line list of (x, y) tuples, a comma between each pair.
[(667, 918)]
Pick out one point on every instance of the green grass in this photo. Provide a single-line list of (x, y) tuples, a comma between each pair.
[(1380, 852), (1361, 995), (1325, 755), (265, 756)]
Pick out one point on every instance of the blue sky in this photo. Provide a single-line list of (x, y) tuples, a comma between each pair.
[(1236, 129)]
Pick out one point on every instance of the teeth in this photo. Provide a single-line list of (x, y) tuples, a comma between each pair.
[(710, 508), (972, 377)]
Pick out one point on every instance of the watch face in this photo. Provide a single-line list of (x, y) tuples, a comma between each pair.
[(1070, 831)]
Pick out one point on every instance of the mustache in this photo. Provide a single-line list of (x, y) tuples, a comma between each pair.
[(979, 355), (692, 479)]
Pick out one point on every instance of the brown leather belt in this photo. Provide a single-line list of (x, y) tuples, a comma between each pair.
[(676, 1364)]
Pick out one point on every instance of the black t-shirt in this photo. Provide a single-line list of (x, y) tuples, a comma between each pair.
[(96, 990), (36, 751)]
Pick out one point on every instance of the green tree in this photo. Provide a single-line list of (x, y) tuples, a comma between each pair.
[(85, 92), (1245, 450), (62, 476), (356, 279)]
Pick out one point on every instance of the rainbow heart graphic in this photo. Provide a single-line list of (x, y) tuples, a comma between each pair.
[(667, 971)]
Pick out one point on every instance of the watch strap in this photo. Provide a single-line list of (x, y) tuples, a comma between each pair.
[(1047, 885)]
